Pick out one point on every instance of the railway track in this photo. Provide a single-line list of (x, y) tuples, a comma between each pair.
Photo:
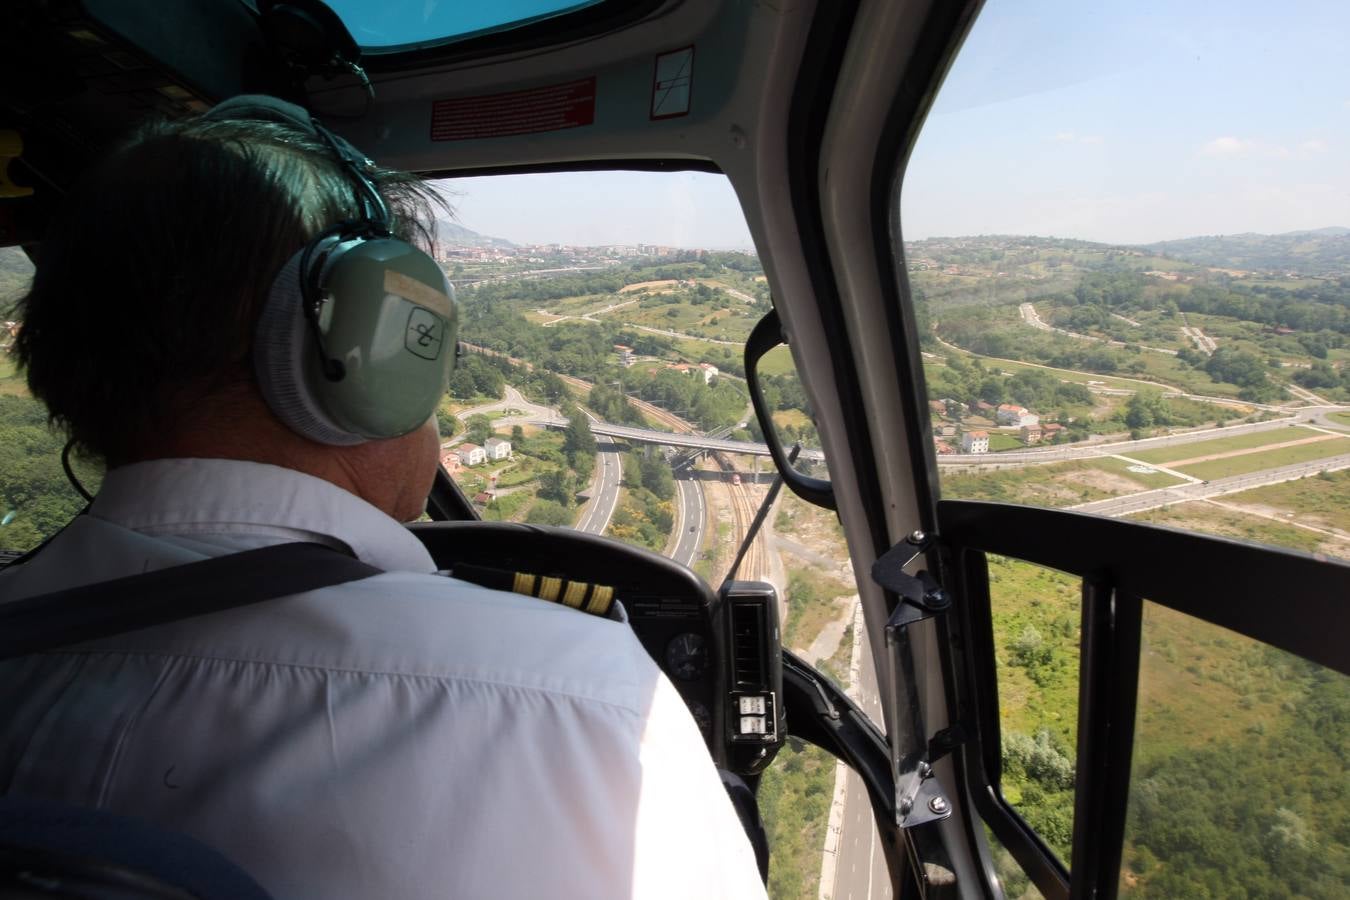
[(743, 514)]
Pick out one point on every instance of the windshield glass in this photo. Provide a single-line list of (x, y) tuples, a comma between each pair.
[(387, 24), (605, 316)]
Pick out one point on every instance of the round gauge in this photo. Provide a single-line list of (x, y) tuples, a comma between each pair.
[(687, 656), (701, 715)]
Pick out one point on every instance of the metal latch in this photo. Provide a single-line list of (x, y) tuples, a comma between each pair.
[(919, 797)]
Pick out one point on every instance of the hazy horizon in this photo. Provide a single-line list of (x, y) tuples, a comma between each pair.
[(1125, 123)]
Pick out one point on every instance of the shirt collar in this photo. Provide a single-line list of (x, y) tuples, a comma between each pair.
[(202, 496)]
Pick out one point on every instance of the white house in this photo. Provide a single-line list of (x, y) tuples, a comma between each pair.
[(975, 442), (498, 448), (1011, 414), (471, 454)]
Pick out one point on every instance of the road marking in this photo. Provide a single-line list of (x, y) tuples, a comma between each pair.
[(1166, 471)]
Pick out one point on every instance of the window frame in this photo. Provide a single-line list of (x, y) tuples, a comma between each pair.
[(1259, 592)]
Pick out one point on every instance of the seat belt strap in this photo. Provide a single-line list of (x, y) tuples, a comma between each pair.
[(95, 611)]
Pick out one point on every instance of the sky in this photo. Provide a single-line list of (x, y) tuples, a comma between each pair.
[(1114, 121)]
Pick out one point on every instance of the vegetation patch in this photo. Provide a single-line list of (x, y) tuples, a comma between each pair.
[(794, 800), (1036, 615), (1199, 824), (813, 601)]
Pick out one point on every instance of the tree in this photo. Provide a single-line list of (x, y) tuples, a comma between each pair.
[(446, 423), (1146, 409), (557, 485), (577, 436), (548, 512), (479, 428), (517, 435), (656, 476)]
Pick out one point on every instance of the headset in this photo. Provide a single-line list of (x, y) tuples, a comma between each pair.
[(359, 331)]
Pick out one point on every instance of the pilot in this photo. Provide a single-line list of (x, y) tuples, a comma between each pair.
[(406, 735)]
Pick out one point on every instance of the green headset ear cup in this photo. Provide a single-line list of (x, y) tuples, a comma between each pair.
[(283, 348), (388, 317)]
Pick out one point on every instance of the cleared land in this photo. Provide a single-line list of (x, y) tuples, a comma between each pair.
[(1318, 500), (1209, 518), (1057, 484), (649, 286), (1123, 467)]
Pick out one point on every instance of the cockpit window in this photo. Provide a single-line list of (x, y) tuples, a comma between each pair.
[(604, 317), (398, 24)]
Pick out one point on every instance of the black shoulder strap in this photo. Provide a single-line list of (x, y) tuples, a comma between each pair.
[(101, 610)]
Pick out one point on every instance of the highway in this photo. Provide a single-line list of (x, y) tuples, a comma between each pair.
[(691, 519), (853, 848), (604, 492), (1060, 453), (1146, 500), (1086, 450)]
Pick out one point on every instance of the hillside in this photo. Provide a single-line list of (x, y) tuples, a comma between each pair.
[(1324, 252), (452, 234)]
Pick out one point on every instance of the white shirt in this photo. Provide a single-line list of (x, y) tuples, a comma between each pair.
[(404, 736)]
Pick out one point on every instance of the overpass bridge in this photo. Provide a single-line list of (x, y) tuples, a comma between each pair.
[(671, 439)]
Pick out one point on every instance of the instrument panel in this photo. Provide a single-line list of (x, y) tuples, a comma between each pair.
[(679, 636)]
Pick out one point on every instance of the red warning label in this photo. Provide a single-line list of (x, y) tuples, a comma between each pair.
[(550, 108)]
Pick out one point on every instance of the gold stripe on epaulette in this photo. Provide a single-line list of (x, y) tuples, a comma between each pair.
[(575, 593), (524, 584), (549, 588), (602, 596)]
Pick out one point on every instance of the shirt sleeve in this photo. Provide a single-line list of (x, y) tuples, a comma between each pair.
[(689, 840)]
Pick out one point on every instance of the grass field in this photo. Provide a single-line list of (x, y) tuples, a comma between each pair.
[(1199, 683), (1245, 441), (1340, 418), (777, 361), (1000, 441), (1267, 459), (791, 418), (1321, 500)]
